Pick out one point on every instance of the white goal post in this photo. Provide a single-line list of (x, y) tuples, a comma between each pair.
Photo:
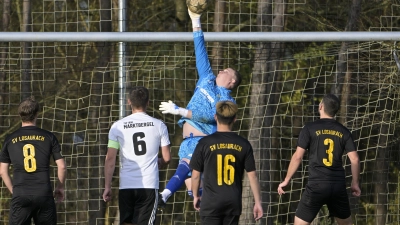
[(188, 37)]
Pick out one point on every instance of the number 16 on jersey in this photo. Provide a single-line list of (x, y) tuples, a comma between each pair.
[(225, 170)]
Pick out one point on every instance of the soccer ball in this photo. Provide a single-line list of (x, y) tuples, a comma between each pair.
[(197, 6)]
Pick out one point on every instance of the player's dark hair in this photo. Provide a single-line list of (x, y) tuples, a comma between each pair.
[(331, 104), (238, 78), (139, 97), (28, 109), (226, 112)]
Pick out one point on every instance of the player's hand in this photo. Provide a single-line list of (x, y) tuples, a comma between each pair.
[(171, 108), (107, 195), (161, 163), (257, 211), (355, 189), (196, 203), (194, 15), (59, 194), (281, 186)]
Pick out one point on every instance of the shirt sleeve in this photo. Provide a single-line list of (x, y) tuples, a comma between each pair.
[(112, 138), (197, 161), (202, 62), (164, 135), (4, 155), (112, 134), (250, 164), (55, 148), (349, 144), (304, 138)]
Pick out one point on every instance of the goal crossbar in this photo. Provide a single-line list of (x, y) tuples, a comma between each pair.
[(187, 36)]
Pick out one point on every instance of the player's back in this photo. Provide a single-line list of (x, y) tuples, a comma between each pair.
[(29, 149), (140, 137), (328, 141), (226, 155)]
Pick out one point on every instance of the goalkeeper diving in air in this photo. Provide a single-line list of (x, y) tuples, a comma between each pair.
[(198, 117)]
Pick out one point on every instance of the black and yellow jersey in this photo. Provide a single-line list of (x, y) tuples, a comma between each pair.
[(222, 157), (29, 149), (326, 141)]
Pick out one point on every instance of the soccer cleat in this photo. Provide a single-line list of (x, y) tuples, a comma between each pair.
[(161, 204)]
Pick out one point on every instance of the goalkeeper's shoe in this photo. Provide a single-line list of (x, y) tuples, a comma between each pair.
[(161, 204)]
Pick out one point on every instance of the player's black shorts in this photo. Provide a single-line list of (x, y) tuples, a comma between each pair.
[(24, 208), (316, 195), (218, 220), (138, 206)]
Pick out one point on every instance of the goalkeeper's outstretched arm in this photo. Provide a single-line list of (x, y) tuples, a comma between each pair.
[(202, 62)]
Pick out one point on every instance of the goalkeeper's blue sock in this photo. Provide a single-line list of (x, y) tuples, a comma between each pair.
[(177, 180)]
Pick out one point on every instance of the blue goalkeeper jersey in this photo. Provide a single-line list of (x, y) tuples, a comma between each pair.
[(207, 93)]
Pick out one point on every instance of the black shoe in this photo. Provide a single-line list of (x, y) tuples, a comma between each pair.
[(161, 204)]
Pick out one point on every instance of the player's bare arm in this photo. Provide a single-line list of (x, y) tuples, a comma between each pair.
[(195, 188), (166, 156), (355, 172), (109, 167), (255, 188), (293, 165), (6, 176), (62, 174)]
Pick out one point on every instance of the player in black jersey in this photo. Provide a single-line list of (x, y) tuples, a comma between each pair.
[(326, 140), (29, 149), (222, 157)]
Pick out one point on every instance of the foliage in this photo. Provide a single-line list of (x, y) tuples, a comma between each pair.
[(77, 86)]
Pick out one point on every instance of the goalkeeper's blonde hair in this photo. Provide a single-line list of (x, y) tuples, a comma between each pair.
[(226, 112)]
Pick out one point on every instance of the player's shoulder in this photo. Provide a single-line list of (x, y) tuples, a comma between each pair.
[(223, 135), (330, 124), (138, 118), (243, 140), (209, 138), (31, 130)]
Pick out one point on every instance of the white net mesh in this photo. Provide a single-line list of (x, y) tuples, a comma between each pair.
[(77, 86)]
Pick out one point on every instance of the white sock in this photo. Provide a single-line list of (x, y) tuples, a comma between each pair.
[(165, 195)]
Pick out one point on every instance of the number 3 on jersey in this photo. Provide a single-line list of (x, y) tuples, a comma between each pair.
[(29, 158), (227, 169), (329, 151)]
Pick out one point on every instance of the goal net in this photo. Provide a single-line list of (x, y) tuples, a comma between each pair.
[(78, 87)]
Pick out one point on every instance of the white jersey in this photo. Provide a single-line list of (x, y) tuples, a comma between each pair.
[(140, 137)]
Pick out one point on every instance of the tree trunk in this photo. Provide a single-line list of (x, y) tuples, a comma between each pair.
[(263, 97), (338, 81), (342, 80), (381, 175), (3, 59), (217, 50), (181, 14), (26, 51)]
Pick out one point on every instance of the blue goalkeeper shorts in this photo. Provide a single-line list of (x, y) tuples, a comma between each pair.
[(187, 147)]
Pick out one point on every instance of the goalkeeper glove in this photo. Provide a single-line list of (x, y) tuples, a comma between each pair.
[(195, 19), (170, 107)]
